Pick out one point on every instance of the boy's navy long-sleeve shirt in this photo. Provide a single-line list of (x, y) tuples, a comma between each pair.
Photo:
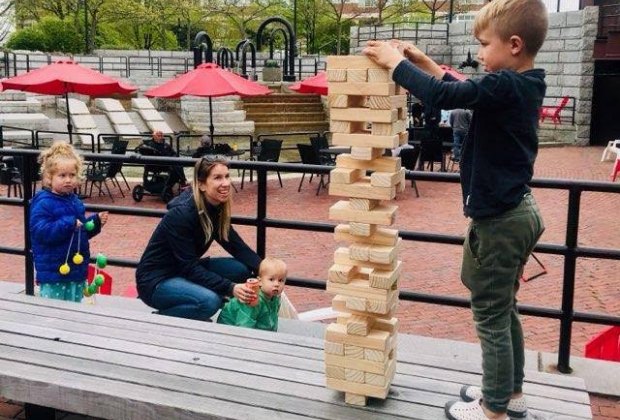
[(497, 158)]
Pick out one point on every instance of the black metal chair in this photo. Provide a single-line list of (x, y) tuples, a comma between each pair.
[(99, 174), (431, 152), (309, 156), (11, 177), (268, 151), (319, 143), (408, 159)]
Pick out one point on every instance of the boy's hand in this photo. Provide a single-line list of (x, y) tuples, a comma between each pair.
[(383, 53), (410, 51), (244, 293), (103, 217)]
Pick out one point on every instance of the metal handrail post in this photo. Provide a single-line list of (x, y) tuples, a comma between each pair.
[(568, 288), (261, 213), (29, 263)]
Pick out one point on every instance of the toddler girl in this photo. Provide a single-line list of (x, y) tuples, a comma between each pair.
[(59, 230)]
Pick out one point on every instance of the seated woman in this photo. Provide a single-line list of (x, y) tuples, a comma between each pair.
[(171, 275)]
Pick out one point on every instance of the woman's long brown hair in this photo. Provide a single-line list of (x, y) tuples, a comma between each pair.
[(202, 170)]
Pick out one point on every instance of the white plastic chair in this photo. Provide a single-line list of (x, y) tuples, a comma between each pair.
[(613, 148)]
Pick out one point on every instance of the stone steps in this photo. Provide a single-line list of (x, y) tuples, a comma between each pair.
[(30, 121), (283, 106), (20, 106), (285, 127), (282, 98), (288, 116)]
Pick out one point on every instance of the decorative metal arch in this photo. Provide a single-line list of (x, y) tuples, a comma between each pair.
[(289, 61), (243, 46), (202, 44)]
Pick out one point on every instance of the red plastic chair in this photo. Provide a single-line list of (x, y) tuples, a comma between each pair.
[(553, 112), (616, 169), (106, 287), (605, 345)]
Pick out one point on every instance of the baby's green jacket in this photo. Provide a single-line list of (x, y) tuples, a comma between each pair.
[(263, 316)]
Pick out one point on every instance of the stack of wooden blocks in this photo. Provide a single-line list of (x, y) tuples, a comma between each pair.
[(367, 113)]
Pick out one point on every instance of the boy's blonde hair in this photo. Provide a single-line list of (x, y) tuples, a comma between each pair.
[(50, 158), (526, 19), (272, 263)]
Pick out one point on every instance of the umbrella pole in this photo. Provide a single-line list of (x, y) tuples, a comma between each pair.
[(211, 128), (69, 126)]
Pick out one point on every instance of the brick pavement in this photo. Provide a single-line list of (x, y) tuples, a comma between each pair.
[(429, 268)]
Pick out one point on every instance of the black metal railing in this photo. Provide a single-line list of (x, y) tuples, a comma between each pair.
[(567, 114), (569, 250)]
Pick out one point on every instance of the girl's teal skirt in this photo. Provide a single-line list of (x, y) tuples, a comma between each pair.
[(72, 291)]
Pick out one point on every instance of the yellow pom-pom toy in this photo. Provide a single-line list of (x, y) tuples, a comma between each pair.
[(78, 258), (64, 269)]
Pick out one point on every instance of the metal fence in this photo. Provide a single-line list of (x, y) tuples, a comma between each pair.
[(569, 250)]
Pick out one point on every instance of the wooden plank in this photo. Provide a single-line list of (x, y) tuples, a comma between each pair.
[(357, 75), (365, 139), (361, 229), (388, 129), (366, 153), (363, 204), (381, 236), (346, 175), (346, 101), (362, 189), (336, 75), (364, 115), (341, 256), (387, 102), (385, 279), (383, 164), (357, 364), (362, 89), (339, 273), (350, 62), (379, 75), (385, 179), (374, 340), (383, 214)]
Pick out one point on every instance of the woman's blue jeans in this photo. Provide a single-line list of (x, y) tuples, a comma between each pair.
[(495, 251), (182, 298)]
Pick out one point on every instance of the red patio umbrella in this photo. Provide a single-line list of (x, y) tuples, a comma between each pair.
[(453, 72), (312, 84), (64, 77), (207, 80)]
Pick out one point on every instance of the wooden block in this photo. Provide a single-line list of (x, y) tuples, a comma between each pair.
[(353, 352), (383, 306), (341, 256), (382, 214), (403, 138), (341, 304), (402, 113), (361, 289), (360, 88), (336, 75), (354, 375), (381, 379), (379, 75), (402, 181), (382, 164), (361, 229), (387, 102), (360, 364), (359, 252), (346, 101), (385, 279), (350, 62), (359, 325), (387, 129), (363, 204), (355, 304), (346, 175), (342, 273), (364, 115), (374, 340), (354, 399), (334, 348), (399, 90), (384, 254), (336, 372), (366, 153), (385, 179), (362, 189), (365, 140), (381, 236), (341, 127), (388, 325), (358, 75), (356, 388)]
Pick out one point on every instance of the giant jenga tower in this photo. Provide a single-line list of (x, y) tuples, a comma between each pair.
[(367, 113)]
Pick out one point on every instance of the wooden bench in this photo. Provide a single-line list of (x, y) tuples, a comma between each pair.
[(122, 364)]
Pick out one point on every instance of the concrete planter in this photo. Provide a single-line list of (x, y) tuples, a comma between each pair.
[(272, 74)]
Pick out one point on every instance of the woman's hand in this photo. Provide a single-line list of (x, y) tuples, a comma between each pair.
[(244, 293), (386, 54)]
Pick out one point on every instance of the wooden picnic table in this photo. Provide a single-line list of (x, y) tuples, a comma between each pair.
[(122, 364)]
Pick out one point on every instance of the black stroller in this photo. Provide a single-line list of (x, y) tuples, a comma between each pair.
[(157, 180)]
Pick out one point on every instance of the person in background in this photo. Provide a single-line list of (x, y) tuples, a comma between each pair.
[(459, 120), (158, 142)]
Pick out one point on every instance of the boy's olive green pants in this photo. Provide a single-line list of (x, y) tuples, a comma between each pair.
[(495, 251)]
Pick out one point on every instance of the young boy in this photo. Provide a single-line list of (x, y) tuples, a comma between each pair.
[(264, 315), (497, 162)]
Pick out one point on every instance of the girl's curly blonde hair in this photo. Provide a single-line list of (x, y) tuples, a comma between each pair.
[(49, 159)]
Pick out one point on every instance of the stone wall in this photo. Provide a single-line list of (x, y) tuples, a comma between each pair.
[(566, 57)]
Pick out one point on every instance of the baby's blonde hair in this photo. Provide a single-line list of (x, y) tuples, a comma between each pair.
[(50, 158), (526, 19), (272, 263)]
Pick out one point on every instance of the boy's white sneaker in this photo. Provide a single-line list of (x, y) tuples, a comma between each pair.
[(517, 407), (472, 410)]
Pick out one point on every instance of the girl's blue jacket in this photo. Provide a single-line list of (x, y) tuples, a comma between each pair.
[(52, 223)]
